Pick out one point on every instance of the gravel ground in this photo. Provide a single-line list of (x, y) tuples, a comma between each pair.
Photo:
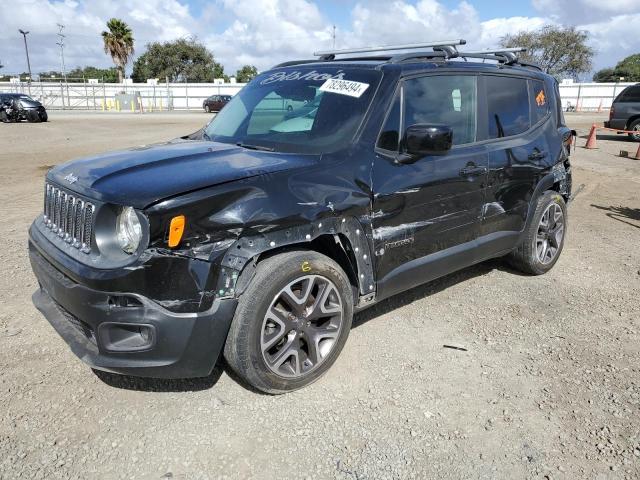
[(548, 385)]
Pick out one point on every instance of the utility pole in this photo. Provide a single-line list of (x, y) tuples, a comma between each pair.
[(26, 49), (64, 72), (334, 37)]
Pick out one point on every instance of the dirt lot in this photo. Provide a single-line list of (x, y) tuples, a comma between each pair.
[(549, 386)]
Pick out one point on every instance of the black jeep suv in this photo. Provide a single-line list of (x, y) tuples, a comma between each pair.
[(260, 235)]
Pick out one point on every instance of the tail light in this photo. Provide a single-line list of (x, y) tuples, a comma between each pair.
[(612, 112)]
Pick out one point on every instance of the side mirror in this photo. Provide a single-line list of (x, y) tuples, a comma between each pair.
[(420, 140)]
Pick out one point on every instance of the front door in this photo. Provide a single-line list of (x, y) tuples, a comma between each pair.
[(426, 215)]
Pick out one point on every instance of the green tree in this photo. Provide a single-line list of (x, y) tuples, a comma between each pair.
[(559, 51), (118, 43), (108, 75), (183, 60), (246, 74), (629, 68), (605, 75)]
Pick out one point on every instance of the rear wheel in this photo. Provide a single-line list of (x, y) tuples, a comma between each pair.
[(291, 322), (544, 238), (207, 109), (635, 126)]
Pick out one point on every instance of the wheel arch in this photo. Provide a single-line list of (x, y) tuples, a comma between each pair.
[(341, 239), (632, 119)]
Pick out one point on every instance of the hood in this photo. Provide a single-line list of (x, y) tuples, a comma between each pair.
[(141, 176), (30, 103)]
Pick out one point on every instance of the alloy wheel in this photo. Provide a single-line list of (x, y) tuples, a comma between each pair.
[(301, 326), (550, 234)]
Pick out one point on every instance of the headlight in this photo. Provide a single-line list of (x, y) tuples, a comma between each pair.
[(128, 230)]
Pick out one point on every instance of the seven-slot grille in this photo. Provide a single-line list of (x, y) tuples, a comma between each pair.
[(70, 217)]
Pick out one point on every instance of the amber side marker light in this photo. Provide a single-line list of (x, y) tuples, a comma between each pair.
[(176, 229)]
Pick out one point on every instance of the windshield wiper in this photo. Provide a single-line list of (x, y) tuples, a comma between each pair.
[(255, 147)]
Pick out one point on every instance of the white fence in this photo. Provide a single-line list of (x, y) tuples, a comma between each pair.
[(189, 96), (99, 96), (590, 97)]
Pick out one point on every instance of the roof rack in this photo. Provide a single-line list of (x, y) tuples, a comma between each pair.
[(443, 50), (505, 55), (449, 45)]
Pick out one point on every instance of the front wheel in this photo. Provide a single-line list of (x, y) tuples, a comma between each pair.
[(544, 238), (291, 322), (207, 109)]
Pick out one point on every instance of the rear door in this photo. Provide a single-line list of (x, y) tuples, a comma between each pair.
[(518, 126), (429, 210)]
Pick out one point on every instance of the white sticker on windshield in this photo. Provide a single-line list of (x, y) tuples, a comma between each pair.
[(344, 87)]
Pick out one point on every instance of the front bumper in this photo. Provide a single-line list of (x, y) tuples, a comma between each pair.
[(128, 333)]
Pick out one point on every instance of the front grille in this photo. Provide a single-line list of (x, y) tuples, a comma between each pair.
[(69, 217)]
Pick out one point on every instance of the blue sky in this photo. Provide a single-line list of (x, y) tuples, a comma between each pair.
[(265, 32)]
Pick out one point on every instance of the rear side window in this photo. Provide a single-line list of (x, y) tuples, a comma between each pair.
[(540, 101), (630, 94), (443, 100), (508, 106)]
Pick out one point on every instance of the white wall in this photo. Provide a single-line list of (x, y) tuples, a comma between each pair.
[(590, 96), (87, 96), (180, 96)]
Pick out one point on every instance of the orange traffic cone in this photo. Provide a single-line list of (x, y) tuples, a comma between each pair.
[(591, 141)]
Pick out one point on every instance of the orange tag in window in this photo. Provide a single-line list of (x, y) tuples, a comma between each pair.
[(541, 99)]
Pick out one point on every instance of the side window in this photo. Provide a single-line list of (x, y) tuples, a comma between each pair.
[(540, 102), (390, 136), (508, 106), (630, 94), (443, 100)]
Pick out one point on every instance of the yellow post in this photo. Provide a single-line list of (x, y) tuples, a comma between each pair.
[(132, 107), (102, 104), (118, 105), (160, 104), (150, 106), (109, 106)]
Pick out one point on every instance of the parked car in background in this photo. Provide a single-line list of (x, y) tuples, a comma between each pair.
[(215, 103), (25, 107), (625, 112)]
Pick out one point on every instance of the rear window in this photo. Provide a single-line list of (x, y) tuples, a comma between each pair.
[(630, 94), (508, 106)]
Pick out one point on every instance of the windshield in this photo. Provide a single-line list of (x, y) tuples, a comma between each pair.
[(297, 109)]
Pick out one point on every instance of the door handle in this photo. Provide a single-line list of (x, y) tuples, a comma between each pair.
[(537, 155), (472, 170)]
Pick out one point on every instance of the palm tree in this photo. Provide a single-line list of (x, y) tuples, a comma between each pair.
[(118, 42)]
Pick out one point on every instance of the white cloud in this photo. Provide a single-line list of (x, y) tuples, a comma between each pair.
[(575, 12), (266, 32)]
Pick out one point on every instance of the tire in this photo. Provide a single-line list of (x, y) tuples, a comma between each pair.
[(260, 347), (635, 125), (44, 117), (207, 109), (544, 238), (33, 117)]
